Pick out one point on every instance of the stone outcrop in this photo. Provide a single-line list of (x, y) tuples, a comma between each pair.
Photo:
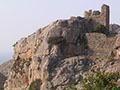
[(116, 49), (34, 48), (36, 58), (58, 73), (114, 29), (2, 81), (4, 69), (59, 54), (96, 17)]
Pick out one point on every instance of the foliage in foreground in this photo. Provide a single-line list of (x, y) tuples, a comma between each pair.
[(35, 85), (101, 81), (99, 28), (72, 88)]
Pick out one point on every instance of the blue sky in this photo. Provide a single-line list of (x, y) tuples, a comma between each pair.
[(19, 18)]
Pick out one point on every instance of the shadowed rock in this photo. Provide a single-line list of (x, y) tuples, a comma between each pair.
[(2, 81), (4, 69)]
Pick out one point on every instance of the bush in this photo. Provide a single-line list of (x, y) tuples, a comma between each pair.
[(100, 29), (101, 81), (110, 58), (83, 39), (35, 85), (72, 88), (56, 40), (39, 60)]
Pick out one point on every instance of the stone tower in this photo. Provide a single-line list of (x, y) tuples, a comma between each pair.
[(99, 17)]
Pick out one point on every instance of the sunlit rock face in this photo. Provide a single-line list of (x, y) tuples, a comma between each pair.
[(60, 55), (35, 57)]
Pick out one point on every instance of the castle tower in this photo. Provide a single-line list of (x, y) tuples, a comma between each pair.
[(99, 17), (106, 15)]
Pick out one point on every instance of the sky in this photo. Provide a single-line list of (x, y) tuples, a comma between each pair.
[(20, 18)]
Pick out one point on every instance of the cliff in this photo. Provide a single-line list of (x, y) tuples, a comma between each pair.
[(4, 69), (60, 54)]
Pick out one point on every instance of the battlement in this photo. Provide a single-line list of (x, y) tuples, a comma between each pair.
[(99, 17)]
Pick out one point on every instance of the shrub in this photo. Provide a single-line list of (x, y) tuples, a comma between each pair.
[(101, 81), (56, 40), (72, 88), (39, 60), (35, 85), (110, 58), (83, 39), (100, 29), (86, 46)]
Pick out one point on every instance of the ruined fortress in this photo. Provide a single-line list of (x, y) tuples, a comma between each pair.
[(99, 17)]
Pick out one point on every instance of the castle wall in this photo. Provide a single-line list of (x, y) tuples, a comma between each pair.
[(99, 17)]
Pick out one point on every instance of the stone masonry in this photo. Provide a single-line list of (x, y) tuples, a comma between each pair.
[(99, 17)]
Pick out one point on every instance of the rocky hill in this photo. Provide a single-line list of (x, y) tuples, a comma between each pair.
[(60, 54), (114, 29), (4, 69)]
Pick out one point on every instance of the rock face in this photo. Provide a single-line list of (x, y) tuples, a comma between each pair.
[(70, 30), (36, 58), (59, 55), (61, 73), (57, 65), (2, 81), (4, 68), (114, 29)]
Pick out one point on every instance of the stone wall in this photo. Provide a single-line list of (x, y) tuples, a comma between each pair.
[(99, 45), (99, 17)]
